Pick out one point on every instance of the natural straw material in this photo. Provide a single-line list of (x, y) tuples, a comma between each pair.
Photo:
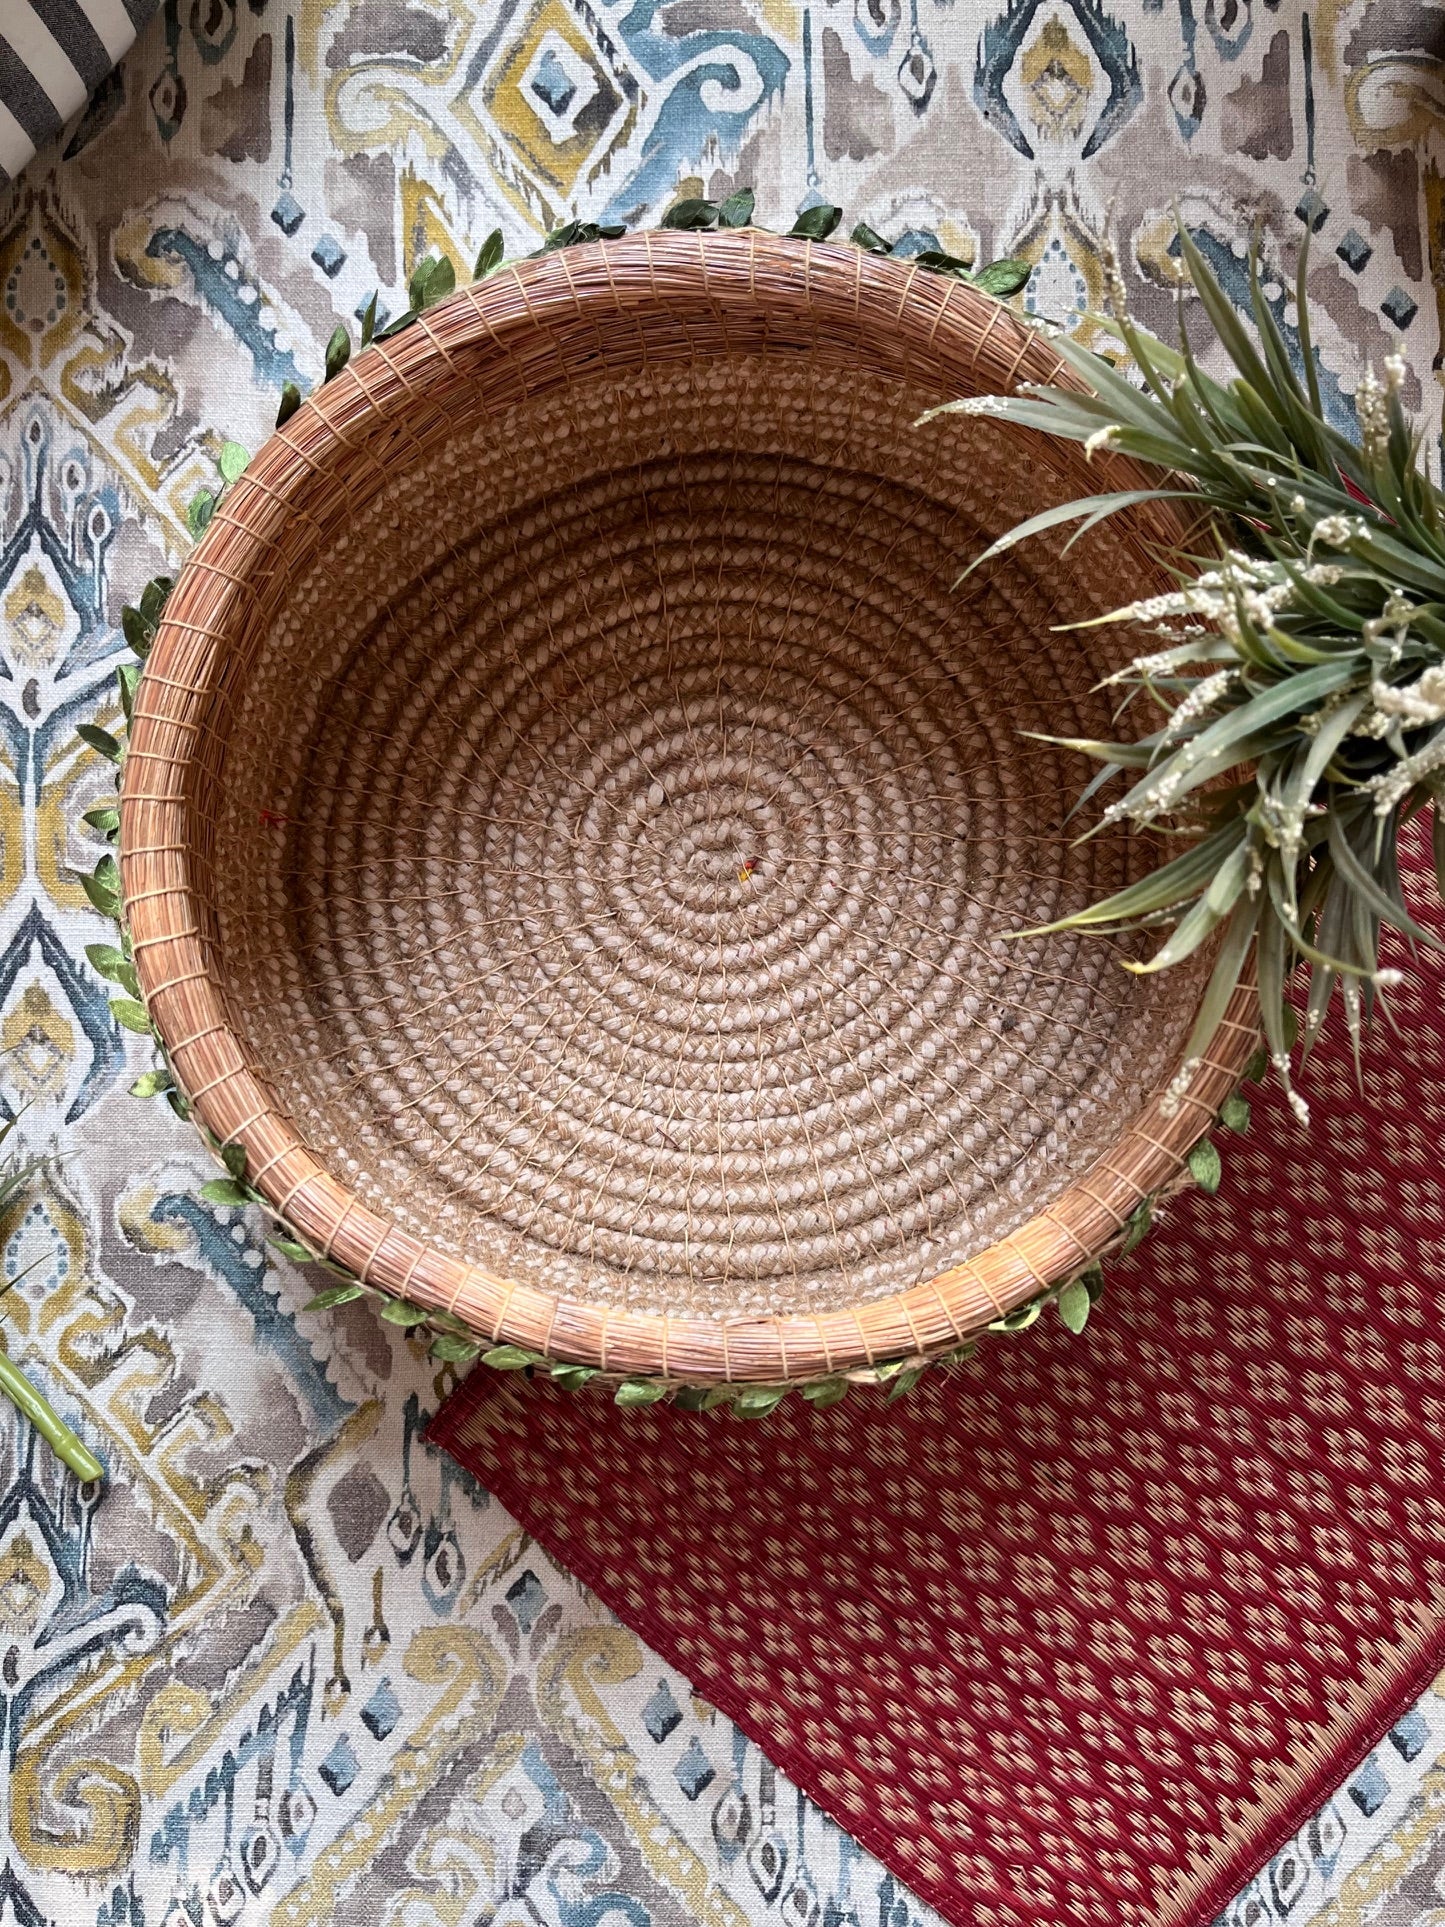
[(572, 829)]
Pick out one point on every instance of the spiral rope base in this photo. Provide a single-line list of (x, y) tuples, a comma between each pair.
[(626, 830)]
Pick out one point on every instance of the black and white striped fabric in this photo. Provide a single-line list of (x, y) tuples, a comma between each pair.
[(53, 56)]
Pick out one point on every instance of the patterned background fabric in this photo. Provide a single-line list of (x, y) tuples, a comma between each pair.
[(290, 1665)]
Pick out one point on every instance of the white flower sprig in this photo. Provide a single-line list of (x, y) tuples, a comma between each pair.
[(1303, 676)]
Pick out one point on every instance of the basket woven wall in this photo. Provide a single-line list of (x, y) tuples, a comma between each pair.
[(573, 829)]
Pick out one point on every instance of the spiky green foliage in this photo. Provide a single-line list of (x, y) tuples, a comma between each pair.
[(1300, 672)]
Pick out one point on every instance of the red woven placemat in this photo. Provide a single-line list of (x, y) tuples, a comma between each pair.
[(1085, 1632)]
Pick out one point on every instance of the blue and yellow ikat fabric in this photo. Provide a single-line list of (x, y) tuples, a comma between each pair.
[(289, 1665)]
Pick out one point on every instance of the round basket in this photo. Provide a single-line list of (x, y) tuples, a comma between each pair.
[(576, 832)]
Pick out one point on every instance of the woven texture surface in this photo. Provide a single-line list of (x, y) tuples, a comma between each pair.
[(1084, 1631), (610, 932), (630, 893)]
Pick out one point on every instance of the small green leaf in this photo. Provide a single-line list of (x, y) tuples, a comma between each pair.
[(126, 977), (106, 819), (127, 676), (130, 1013), (823, 1392), (756, 1401), (138, 630), (942, 263), (234, 458), (562, 237), (1137, 1229), (690, 214), (1074, 1303), (432, 280), (338, 351), (224, 1191), (511, 1358), (1020, 1318), (293, 1249), (870, 240), (1205, 1166), (332, 1295), (153, 597), (737, 209), (1255, 1069), (151, 1084), (1234, 1113), (1093, 1282), (106, 875), (489, 258), (112, 964), (368, 321), (905, 1381), (100, 740), (401, 1311), (290, 402), (233, 1156), (817, 223), (640, 1391), (198, 515), (449, 1349), (1003, 278), (179, 1104), (573, 1377), (703, 1398), (416, 285)]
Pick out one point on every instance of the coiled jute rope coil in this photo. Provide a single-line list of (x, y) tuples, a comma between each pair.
[(575, 831)]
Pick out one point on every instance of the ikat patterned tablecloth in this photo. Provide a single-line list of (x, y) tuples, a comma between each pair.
[(289, 1665)]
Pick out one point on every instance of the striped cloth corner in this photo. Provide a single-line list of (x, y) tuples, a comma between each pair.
[(53, 56)]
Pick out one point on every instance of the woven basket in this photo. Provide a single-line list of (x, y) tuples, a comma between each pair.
[(574, 828)]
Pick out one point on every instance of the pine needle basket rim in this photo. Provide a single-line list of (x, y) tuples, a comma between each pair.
[(809, 297)]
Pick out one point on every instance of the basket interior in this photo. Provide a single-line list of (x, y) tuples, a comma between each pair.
[(619, 828)]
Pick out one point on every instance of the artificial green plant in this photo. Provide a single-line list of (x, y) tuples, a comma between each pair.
[(1296, 686)]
